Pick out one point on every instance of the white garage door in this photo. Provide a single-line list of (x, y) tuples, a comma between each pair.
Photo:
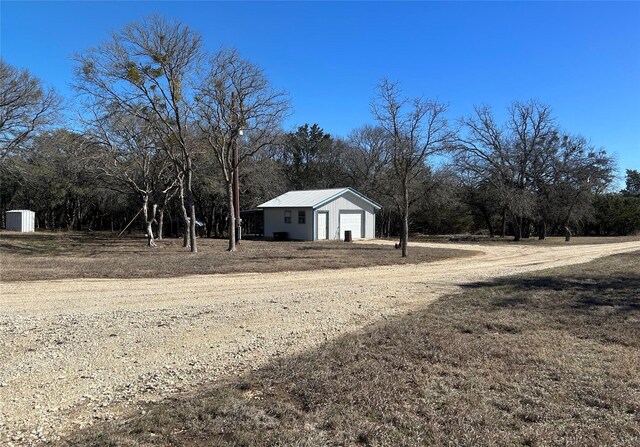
[(351, 221)]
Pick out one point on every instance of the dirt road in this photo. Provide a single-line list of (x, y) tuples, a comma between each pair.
[(76, 351)]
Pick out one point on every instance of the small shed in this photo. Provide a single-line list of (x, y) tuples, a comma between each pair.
[(320, 214), (21, 220)]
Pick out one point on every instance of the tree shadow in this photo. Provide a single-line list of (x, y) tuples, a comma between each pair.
[(344, 246), (619, 291)]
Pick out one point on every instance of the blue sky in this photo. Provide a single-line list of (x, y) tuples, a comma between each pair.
[(582, 58)]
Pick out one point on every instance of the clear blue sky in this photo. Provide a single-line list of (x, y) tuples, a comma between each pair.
[(582, 58)]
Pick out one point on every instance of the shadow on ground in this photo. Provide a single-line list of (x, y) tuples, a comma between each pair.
[(607, 291)]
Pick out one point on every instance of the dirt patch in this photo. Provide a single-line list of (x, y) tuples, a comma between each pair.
[(79, 351)]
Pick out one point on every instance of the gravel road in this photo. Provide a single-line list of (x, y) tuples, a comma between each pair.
[(73, 352)]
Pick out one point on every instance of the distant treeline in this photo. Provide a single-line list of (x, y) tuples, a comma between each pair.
[(60, 178), (165, 126)]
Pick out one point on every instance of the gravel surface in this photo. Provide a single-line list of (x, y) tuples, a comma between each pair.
[(77, 351)]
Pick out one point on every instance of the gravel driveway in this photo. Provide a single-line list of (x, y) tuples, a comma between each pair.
[(76, 351)]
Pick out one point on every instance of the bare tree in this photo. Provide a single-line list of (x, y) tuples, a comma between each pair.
[(152, 64), (537, 173), (369, 171), (234, 97), (26, 107), (578, 171), (484, 155), (511, 157), (416, 129), (369, 159), (134, 159)]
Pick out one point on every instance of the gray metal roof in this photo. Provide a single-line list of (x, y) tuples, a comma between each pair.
[(313, 198)]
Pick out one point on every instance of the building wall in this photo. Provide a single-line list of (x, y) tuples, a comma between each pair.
[(348, 202), (274, 219), (274, 222), (20, 220)]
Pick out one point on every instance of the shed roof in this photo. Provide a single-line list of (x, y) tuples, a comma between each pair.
[(312, 198)]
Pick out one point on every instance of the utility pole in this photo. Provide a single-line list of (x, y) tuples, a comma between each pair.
[(236, 186)]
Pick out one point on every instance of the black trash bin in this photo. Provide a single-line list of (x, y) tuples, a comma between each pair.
[(347, 236)]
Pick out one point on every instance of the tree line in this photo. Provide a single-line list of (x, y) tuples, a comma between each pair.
[(164, 126)]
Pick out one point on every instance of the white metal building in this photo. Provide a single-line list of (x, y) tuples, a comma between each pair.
[(320, 214), (21, 220)]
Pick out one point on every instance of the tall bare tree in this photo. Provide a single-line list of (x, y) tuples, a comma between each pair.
[(234, 97), (416, 129), (151, 63), (26, 107)]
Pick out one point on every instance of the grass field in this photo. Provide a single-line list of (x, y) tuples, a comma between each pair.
[(48, 255), (551, 358)]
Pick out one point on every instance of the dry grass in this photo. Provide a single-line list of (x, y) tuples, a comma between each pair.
[(548, 359), (534, 241), (47, 256)]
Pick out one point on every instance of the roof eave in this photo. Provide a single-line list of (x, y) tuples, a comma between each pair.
[(325, 201), (356, 193)]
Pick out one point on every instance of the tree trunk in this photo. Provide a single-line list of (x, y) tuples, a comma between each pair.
[(172, 230), (211, 222), (487, 220), (504, 222), (208, 223), (192, 228), (150, 221), (236, 193), (526, 228), (160, 223), (517, 228), (567, 219), (542, 230), (405, 218), (192, 209), (77, 223), (185, 217), (232, 218), (216, 228)]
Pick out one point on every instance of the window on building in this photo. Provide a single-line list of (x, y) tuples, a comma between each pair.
[(287, 216), (302, 216)]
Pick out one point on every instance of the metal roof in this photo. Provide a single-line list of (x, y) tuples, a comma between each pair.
[(313, 198)]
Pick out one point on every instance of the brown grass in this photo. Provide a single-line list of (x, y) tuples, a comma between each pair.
[(534, 241), (548, 359), (47, 256)]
